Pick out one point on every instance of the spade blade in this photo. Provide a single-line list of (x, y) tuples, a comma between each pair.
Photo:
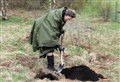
[(60, 68)]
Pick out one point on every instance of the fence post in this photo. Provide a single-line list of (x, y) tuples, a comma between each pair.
[(116, 11)]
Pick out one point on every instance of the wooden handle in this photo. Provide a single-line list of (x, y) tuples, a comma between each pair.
[(62, 36)]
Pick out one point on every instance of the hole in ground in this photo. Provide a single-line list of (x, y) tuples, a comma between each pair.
[(48, 76), (82, 73)]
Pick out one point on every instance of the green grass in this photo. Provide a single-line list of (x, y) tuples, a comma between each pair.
[(17, 19), (115, 26), (89, 10), (73, 50), (116, 51), (14, 76)]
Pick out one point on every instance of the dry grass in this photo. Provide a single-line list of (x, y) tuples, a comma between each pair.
[(88, 41)]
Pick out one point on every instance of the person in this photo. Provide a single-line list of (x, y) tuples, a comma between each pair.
[(46, 32)]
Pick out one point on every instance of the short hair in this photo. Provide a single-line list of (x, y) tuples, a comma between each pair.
[(70, 12)]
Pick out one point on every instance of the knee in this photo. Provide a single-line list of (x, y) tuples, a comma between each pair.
[(50, 54)]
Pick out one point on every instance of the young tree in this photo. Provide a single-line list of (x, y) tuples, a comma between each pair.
[(52, 4), (4, 9)]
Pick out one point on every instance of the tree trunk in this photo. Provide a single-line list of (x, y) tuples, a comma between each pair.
[(4, 9), (116, 11), (52, 4)]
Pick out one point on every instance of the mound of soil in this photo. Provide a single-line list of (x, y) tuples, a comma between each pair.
[(82, 73)]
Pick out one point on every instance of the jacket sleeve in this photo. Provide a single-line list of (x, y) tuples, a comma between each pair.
[(35, 42), (31, 34)]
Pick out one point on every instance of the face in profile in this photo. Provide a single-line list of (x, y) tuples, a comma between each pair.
[(67, 18)]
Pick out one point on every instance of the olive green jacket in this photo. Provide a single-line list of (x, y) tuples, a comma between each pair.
[(46, 30)]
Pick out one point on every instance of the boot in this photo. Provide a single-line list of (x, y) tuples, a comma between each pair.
[(50, 60)]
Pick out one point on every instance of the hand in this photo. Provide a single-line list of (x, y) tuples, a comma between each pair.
[(61, 49)]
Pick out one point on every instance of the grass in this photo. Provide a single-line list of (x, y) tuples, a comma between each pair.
[(104, 40), (14, 76)]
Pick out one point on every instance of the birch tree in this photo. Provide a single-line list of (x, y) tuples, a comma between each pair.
[(4, 9), (51, 4)]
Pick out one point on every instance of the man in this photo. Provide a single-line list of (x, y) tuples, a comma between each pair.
[(47, 30)]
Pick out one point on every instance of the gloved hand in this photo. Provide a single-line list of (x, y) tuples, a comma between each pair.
[(61, 49)]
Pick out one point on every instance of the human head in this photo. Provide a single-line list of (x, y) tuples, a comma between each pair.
[(69, 14)]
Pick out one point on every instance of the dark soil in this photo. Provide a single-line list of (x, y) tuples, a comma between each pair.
[(49, 76), (82, 73)]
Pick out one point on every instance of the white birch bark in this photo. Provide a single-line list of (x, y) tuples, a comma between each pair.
[(4, 9)]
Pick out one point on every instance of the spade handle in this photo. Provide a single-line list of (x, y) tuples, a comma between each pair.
[(62, 50)]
